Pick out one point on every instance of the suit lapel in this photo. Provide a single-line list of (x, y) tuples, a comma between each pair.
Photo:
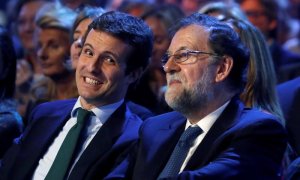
[(224, 122), (101, 144), (163, 144), (39, 138)]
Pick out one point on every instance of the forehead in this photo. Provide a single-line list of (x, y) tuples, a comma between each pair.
[(83, 25), (105, 42), (30, 8), (194, 37), (48, 34)]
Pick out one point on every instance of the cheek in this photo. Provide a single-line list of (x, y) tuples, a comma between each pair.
[(72, 49), (114, 76), (59, 59), (190, 78)]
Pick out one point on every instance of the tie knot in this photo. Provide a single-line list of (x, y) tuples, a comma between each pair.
[(82, 115), (189, 135)]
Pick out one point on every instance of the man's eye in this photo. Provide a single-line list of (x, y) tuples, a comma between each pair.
[(87, 52), (179, 56), (109, 60)]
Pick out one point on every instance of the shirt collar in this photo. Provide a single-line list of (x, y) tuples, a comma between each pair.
[(206, 123), (102, 113)]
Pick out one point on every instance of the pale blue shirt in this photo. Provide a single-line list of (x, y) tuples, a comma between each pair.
[(205, 124), (95, 123)]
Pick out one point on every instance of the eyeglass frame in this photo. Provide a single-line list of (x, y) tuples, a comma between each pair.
[(167, 56)]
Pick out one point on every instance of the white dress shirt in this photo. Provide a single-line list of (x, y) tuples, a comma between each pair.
[(93, 126), (205, 124)]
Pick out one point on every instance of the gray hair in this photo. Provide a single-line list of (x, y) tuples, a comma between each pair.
[(53, 15)]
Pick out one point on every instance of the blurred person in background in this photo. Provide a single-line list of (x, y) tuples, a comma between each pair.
[(11, 124), (79, 4), (135, 8), (52, 43), (28, 67), (267, 16)]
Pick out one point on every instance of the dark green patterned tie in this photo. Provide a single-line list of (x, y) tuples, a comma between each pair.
[(64, 156)]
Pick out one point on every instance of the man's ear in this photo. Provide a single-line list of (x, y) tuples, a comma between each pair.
[(224, 68), (135, 75)]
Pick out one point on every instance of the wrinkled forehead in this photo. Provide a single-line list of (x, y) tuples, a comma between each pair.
[(193, 37)]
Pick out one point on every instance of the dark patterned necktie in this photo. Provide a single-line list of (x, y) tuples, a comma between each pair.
[(180, 152), (64, 156)]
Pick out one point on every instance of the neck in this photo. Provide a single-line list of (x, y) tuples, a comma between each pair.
[(213, 104)]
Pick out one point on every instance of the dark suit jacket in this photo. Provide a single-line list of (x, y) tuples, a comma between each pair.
[(11, 125), (293, 170), (107, 148), (289, 98), (286, 63), (242, 144)]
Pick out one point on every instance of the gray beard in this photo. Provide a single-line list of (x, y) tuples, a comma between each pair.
[(194, 99)]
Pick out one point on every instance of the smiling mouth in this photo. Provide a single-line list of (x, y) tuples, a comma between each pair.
[(91, 81)]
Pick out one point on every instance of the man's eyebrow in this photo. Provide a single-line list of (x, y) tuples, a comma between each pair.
[(181, 48), (88, 44)]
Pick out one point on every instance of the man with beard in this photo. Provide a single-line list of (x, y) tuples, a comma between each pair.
[(211, 135)]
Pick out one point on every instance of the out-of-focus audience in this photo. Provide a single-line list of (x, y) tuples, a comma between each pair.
[(78, 4), (53, 42), (28, 67), (267, 16), (10, 121), (52, 46)]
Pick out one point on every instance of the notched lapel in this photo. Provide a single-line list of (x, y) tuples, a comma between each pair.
[(205, 149), (101, 145), (163, 144), (38, 140)]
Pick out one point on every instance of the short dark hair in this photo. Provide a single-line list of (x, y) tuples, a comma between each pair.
[(223, 40), (130, 30), (8, 60)]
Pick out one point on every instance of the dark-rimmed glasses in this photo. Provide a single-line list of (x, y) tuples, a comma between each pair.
[(183, 55)]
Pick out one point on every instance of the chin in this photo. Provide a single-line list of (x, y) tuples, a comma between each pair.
[(170, 97)]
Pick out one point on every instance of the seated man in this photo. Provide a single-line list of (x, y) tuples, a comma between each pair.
[(115, 52), (212, 135)]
